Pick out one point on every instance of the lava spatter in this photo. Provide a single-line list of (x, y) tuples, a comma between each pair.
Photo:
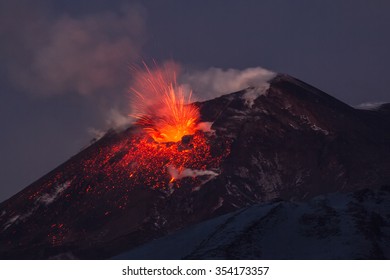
[(161, 106), (161, 152), (141, 161)]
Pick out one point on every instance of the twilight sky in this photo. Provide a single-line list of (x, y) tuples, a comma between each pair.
[(64, 65)]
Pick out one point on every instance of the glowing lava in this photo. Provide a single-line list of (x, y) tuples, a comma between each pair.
[(138, 161), (161, 106), (160, 159), (114, 175)]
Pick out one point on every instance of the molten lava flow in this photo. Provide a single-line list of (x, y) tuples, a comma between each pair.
[(161, 106)]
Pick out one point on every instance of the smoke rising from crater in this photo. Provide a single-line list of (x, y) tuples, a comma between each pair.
[(70, 54), (214, 82)]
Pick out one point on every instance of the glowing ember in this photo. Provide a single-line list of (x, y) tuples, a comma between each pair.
[(161, 106), (140, 162)]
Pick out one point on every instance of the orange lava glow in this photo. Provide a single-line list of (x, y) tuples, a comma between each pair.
[(121, 166), (157, 157), (139, 161), (109, 176), (161, 106)]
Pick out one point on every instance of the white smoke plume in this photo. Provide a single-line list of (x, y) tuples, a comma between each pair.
[(114, 119), (81, 54), (214, 82), (117, 119), (186, 172)]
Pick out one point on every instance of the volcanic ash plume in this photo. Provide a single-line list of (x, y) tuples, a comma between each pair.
[(161, 106)]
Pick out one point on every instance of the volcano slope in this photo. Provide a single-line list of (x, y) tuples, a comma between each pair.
[(289, 141), (353, 225)]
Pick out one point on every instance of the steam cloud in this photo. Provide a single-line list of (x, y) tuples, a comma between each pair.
[(186, 172), (49, 54), (215, 81), (114, 119), (85, 54)]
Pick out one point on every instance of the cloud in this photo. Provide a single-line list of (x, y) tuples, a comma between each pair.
[(214, 82), (65, 54)]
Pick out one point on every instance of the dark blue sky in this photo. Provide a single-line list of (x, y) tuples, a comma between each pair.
[(64, 64)]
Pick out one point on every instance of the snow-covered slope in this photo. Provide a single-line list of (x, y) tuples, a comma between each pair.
[(335, 226)]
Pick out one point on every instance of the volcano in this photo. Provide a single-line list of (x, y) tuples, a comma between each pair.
[(286, 142)]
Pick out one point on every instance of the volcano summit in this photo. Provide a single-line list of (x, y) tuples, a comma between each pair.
[(285, 142)]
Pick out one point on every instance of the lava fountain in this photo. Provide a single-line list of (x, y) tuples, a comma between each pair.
[(105, 179), (161, 106)]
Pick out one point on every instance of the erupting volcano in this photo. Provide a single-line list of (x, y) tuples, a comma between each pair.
[(281, 140), (161, 106), (163, 110)]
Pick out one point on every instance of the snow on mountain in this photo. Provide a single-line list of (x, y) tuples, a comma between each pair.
[(335, 226)]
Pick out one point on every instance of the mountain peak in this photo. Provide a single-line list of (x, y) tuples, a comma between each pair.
[(284, 140)]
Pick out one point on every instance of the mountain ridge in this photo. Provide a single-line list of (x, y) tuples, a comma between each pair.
[(288, 141)]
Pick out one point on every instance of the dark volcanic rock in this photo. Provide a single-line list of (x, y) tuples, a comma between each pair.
[(290, 141), (335, 226)]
